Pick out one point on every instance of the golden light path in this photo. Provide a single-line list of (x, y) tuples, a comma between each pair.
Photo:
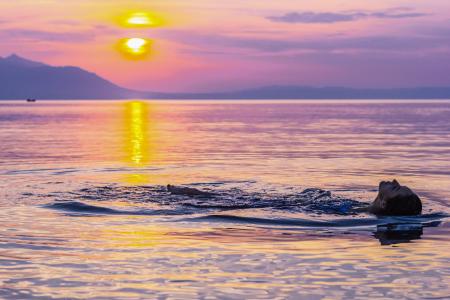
[(138, 149), (137, 132)]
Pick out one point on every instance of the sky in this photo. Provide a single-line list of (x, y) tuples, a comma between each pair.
[(210, 45)]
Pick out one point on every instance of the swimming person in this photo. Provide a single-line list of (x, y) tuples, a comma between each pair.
[(393, 199), (186, 191)]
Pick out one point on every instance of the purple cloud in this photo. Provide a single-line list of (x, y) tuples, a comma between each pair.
[(56, 36), (42, 35), (331, 17), (216, 42)]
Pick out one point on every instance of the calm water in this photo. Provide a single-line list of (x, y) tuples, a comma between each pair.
[(84, 213)]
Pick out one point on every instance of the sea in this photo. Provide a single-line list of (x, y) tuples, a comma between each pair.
[(85, 212)]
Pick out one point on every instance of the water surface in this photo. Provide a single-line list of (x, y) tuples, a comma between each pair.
[(84, 212)]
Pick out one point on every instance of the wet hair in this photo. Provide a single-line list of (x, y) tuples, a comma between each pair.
[(405, 205)]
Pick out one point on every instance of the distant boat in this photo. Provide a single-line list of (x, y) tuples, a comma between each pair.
[(31, 100)]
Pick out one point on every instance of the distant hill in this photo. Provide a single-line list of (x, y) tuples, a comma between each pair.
[(21, 78), (305, 92)]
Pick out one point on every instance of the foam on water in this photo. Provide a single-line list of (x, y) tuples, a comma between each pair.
[(313, 201), (298, 209)]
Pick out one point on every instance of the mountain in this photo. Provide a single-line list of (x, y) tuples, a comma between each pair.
[(15, 60), (305, 92), (324, 93), (21, 78)]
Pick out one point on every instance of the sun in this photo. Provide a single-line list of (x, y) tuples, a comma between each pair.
[(140, 19), (134, 47)]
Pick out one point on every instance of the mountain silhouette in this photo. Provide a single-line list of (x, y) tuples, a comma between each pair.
[(21, 78), (306, 92)]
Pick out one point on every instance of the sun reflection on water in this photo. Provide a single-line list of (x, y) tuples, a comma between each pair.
[(138, 147)]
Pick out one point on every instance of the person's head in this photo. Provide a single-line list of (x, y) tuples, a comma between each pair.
[(395, 199)]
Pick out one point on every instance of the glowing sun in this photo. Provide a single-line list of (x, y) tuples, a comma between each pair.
[(140, 19), (135, 48), (136, 45)]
